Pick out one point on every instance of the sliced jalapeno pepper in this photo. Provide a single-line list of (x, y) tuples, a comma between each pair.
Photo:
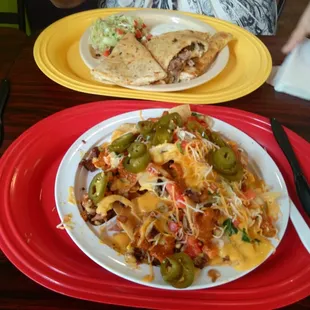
[(171, 270), (188, 273), (194, 126), (97, 187), (136, 165), (137, 149), (120, 144), (224, 158), (170, 120), (162, 135), (237, 176), (145, 127), (217, 139)]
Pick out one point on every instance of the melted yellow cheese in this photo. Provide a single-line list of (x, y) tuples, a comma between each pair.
[(117, 242), (106, 203), (245, 255)]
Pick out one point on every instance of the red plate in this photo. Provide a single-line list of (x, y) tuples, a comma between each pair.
[(28, 219)]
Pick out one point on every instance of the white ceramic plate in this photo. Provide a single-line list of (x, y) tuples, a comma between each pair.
[(86, 236), (159, 22)]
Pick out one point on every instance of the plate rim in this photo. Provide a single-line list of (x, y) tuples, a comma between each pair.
[(74, 235)]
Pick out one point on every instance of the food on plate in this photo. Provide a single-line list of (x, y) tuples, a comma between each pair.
[(216, 43), (172, 192), (106, 33), (174, 50), (130, 63)]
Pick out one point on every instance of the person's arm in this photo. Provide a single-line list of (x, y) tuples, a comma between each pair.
[(67, 4), (301, 31)]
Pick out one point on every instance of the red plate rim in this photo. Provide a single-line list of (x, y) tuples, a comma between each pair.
[(13, 252)]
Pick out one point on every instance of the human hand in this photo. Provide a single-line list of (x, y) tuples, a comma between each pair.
[(301, 31)]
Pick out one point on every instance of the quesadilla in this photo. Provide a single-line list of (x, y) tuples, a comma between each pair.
[(130, 63), (174, 50), (216, 43)]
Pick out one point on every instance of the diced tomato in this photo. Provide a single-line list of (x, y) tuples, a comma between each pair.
[(119, 31), (236, 223), (149, 37), (174, 227), (249, 194), (106, 53), (211, 251), (143, 25), (192, 247), (138, 34), (176, 194)]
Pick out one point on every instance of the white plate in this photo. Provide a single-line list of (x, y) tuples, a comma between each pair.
[(161, 21), (85, 235)]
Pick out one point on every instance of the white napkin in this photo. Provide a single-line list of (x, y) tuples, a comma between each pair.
[(293, 76)]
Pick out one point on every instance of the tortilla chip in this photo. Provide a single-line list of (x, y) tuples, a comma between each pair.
[(130, 63), (168, 45)]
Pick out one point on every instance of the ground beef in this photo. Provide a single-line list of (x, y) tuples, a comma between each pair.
[(200, 261), (139, 255), (87, 162)]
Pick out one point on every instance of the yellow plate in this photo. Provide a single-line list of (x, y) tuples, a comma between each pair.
[(56, 53)]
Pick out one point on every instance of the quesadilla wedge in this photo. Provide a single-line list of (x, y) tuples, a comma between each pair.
[(174, 50), (130, 63), (216, 43)]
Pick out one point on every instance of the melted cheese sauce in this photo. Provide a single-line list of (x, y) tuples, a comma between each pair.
[(117, 242), (244, 255)]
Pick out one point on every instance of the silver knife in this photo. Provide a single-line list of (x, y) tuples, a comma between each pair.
[(302, 186), (4, 94)]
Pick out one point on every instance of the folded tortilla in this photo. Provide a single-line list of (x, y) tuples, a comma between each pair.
[(216, 43), (130, 63), (173, 50)]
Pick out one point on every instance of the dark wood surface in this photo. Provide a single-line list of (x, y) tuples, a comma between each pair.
[(33, 97)]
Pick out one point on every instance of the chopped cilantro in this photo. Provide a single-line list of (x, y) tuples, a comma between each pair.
[(229, 227)]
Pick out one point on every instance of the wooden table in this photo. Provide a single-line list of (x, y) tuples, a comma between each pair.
[(34, 96)]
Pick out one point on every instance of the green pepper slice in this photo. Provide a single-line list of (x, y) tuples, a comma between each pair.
[(136, 165), (162, 135), (137, 149), (236, 177), (224, 158), (188, 273), (170, 120), (97, 187), (145, 127), (171, 270), (194, 126), (217, 139), (120, 144)]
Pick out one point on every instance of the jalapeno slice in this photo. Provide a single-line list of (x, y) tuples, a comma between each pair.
[(171, 270), (188, 273), (171, 120), (120, 144), (136, 165), (162, 135), (224, 158), (137, 149), (194, 126), (237, 176), (145, 127), (97, 187), (217, 139)]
